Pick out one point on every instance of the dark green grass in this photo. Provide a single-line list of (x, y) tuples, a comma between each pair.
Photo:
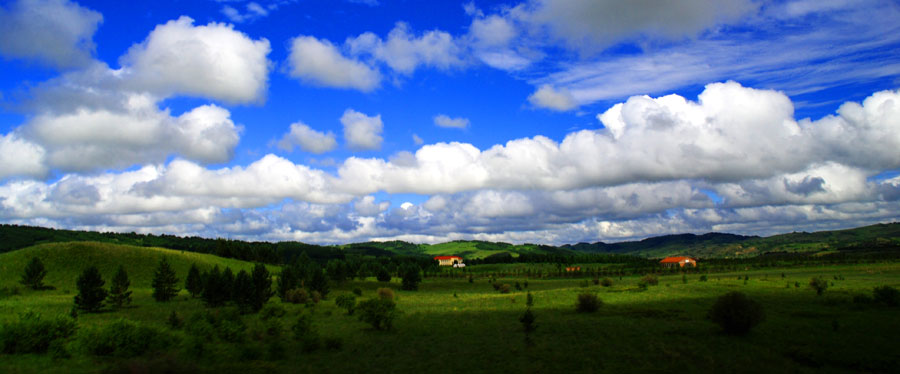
[(662, 329)]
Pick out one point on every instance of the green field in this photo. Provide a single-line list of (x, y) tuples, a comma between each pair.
[(452, 325)]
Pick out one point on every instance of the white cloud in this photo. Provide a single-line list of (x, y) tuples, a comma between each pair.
[(212, 61), (551, 98), (253, 12), (320, 63), (307, 139), (58, 33), (361, 131), (19, 157), (443, 120), (403, 51), (366, 206)]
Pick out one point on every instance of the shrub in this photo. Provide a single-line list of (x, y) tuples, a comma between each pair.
[(385, 293), (703, 278), (650, 279), (229, 326), (606, 282), (334, 344), (296, 296), (587, 303), (411, 277), (271, 311), (735, 313), (819, 284), (33, 277), (90, 290), (124, 338), (33, 334), (175, 321), (346, 301), (526, 283), (862, 299), (357, 291), (529, 300), (886, 295), (472, 280), (518, 286), (275, 350), (496, 286), (596, 281), (583, 284), (378, 312), (382, 275), (504, 288), (315, 296), (683, 278), (305, 333)]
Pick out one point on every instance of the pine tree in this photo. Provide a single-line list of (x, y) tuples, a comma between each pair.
[(34, 274), (90, 290), (119, 295), (262, 286), (316, 280), (243, 292), (194, 282), (164, 281), (214, 293), (287, 281), (228, 284), (382, 274)]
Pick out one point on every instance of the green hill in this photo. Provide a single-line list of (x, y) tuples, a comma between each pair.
[(65, 261)]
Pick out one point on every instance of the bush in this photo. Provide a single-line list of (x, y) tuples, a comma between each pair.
[(382, 275), (411, 277), (504, 288), (736, 313), (606, 282), (346, 301), (596, 281), (271, 311), (296, 296), (378, 312), (862, 299), (650, 279), (357, 291), (305, 333), (124, 338), (33, 334), (529, 300), (886, 295), (334, 344), (703, 278), (587, 303), (385, 293), (819, 284), (175, 321)]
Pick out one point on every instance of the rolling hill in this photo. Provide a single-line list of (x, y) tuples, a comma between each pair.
[(65, 261)]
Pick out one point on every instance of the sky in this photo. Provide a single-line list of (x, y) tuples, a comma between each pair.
[(523, 121)]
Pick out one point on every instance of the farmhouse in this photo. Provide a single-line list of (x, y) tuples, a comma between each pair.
[(679, 261), (449, 260)]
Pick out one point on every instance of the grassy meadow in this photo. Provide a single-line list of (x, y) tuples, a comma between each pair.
[(452, 325)]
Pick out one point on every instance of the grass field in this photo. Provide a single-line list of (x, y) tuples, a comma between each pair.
[(451, 325)]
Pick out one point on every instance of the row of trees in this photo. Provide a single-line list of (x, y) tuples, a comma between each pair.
[(248, 291), (92, 296)]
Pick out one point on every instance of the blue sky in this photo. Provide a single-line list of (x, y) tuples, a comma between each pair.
[(519, 121)]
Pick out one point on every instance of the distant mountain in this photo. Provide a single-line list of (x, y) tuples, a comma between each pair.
[(880, 237)]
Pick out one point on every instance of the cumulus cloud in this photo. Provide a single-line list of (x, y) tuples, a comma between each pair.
[(58, 33), (212, 61), (361, 131), (136, 132), (403, 51), (19, 157), (307, 139), (444, 120), (551, 98), (319, 62), (366, 206)]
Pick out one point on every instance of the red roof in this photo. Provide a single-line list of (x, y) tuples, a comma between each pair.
[(446, 257), (676, 259)]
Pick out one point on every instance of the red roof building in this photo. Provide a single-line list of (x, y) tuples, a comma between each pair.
[(679, 261), (448, 260)]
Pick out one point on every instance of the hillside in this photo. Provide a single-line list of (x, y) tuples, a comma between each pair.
[(65, 261)]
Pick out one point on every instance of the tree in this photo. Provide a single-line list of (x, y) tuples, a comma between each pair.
[(819, 284), (316, 280), (164, 282), (242, 292), (382, 274), (194, 282), (119, 295), (34, 274), (214, 292), (378, 312), (227, 284), (262, 286), (411, 277), (90, 290), (287, 281), (736, 313)]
